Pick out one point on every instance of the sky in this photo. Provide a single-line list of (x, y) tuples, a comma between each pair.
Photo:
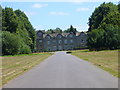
[(50, 15)]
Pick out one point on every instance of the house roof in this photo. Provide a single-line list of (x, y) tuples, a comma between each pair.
[(44, 35), (65, 34), (78, 33), (55, 34)]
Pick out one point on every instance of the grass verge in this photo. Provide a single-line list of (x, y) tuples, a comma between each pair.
[(107, 59), (12, 66)]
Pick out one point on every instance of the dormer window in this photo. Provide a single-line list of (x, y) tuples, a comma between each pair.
[(82, 34), (48, 37), (71, 35), (39, 34), (60, 36)]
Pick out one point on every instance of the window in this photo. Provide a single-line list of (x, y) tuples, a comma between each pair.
[(39, 34), (65, 41), (82, 40), (54, 47), (48, 42), (48, 48), (54, 41), (71, 41), (48, 37), (71, 35), (82, 34), (59, 41), (59, 36), (40, 41)]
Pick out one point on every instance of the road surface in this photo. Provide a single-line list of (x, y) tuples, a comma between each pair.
[(63, 70)]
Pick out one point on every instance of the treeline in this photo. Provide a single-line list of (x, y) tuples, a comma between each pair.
[(18, 35), (104, 27), (58, 30)]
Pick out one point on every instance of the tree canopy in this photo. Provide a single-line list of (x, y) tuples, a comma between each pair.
[(51, 31), (104, 27), (71, 29), (100, 14), (17, 32), (58, 30)]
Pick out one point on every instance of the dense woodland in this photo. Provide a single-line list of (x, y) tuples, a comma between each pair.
[(18, 34)]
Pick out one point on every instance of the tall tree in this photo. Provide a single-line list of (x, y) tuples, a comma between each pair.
[(71, 29), (10, 20), (27, 30), (119, 6), (58, 30), (104, 23), (99, 14), (50, 31), (16, 24)]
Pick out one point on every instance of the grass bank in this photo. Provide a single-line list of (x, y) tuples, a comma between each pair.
[(107, 60), (12, 66)]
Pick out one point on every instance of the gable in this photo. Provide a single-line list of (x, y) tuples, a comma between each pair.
[(70, 35), (39, 34), (59, 36), (48, 36)]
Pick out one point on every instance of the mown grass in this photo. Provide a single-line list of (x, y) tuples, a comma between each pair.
[(12, 66), (107, 59)]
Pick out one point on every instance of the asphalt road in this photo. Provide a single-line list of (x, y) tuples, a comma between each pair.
[(64, 71)]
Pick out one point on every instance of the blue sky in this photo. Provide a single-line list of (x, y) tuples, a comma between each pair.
[(46, 15)]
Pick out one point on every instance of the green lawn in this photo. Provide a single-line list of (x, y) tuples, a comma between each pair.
[(107, 60), (13, 66)]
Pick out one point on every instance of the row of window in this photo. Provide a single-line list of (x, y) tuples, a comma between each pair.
[(71, 36), (60, 41)]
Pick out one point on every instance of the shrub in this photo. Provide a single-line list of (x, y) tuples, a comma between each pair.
[(106, 38), (25, 49), (11, 43)]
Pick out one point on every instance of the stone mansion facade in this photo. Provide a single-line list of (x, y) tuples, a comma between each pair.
[(57, 42)]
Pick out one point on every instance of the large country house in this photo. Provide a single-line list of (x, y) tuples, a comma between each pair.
[(63, 41)]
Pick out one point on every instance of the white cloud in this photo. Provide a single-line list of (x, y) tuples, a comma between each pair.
[(82, 9), (38, 5), (59, 13)]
